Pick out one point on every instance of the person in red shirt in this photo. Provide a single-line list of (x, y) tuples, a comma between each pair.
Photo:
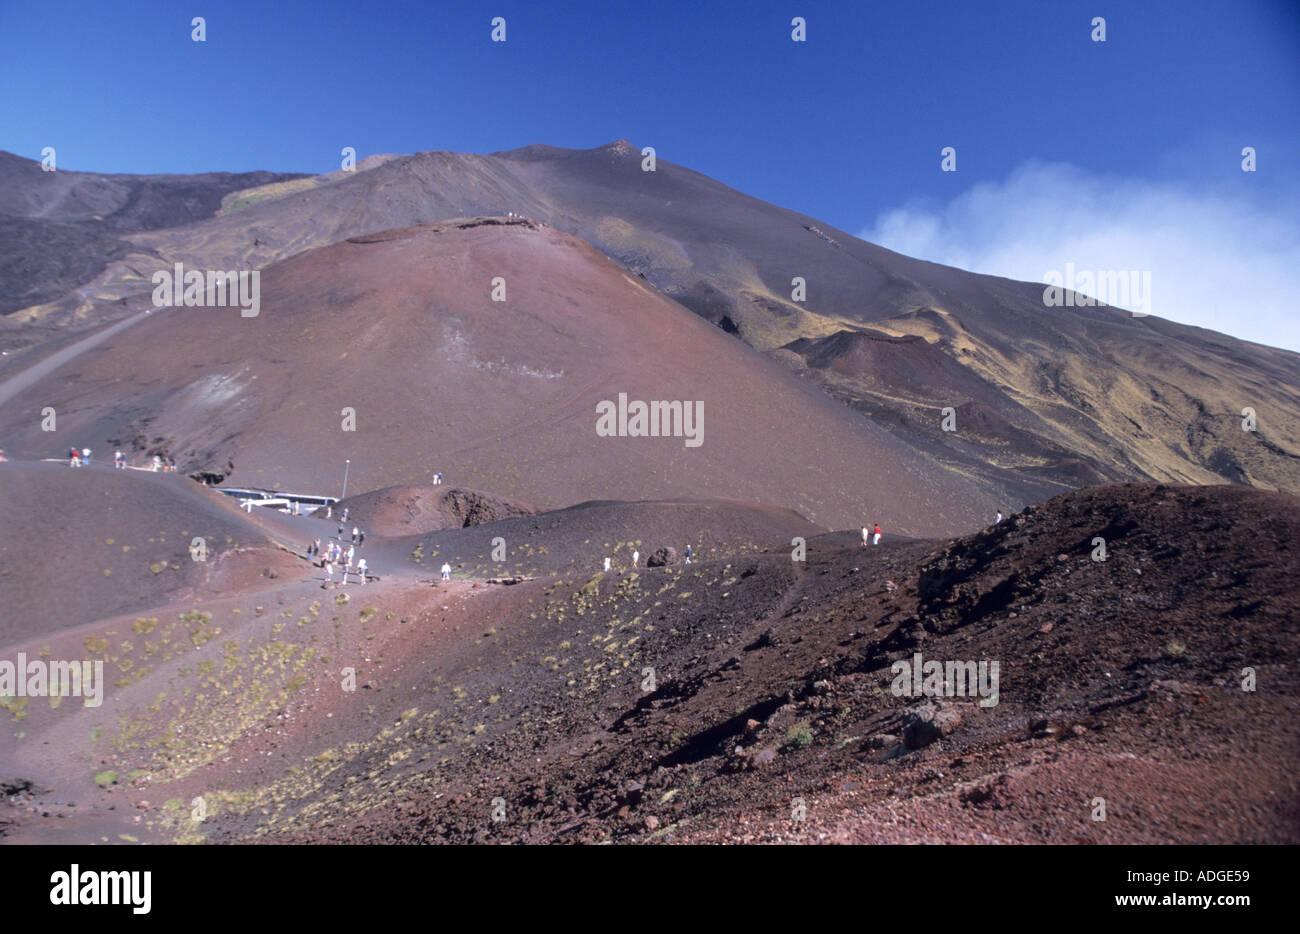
[(875, 535)]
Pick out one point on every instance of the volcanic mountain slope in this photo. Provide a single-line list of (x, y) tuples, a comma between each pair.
[(60, 229), (397, 335), (199, 679), (82, 544), (1073, 394), (713, 701), (773, 687)]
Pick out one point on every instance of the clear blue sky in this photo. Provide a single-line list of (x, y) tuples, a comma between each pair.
[(841, 127)]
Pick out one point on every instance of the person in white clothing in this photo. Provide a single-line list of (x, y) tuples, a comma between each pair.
[(998, 518), (866, 536), (361, 569), (607, 564), (635, 556), (446, 572)]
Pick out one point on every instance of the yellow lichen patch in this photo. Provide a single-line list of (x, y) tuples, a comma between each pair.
[(17, 706)]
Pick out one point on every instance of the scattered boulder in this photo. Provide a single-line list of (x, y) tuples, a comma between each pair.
[(1043, 726), (881, 741), (19, 786), (662, 557), (926, 723), (988, 794)]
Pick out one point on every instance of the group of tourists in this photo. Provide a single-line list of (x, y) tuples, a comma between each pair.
[(335, 554), (80, 457)]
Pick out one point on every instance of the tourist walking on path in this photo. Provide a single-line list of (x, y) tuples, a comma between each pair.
[(446, 572), (875, 535)]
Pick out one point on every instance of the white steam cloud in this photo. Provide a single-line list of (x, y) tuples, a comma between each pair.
[(1216, 261)]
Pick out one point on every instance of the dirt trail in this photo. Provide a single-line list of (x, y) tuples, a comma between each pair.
[(29, 376)]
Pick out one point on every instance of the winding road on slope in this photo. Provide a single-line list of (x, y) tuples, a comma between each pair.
[(42, 368)]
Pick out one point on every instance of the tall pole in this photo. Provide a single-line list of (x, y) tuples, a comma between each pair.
[(346, 464)]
